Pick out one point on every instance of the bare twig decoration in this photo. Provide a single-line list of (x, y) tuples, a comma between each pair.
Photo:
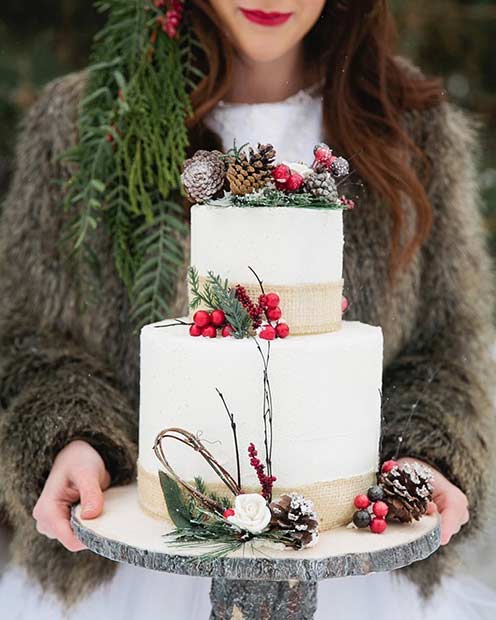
[(235, 435), (188, 439)]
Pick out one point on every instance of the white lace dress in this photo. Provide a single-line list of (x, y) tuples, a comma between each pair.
[(294, 127)]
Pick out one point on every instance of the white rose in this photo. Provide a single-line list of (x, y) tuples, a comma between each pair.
[(251, 513), (300, 168)]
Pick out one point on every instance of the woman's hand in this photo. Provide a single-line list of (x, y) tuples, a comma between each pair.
[(78, 473), (448, 500)]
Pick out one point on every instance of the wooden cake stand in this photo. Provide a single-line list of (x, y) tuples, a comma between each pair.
[(253, 584)]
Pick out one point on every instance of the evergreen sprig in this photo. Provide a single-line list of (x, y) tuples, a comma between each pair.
[(269, 197), (200, 295), (236, 314), (131, 148)]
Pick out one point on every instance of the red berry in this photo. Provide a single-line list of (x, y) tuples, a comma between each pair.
[(282, 330), (218, 318), (195, 331), (274, 314), (380, 509), (272, 300), (378, 525), (294, 182), (361, 502), (262, 301), (109, 137), (226, 331), (229, 512), (344, 304), (281, 173), (210, 332), (322, 146), (388, 466), (201, 318), (268, 333)]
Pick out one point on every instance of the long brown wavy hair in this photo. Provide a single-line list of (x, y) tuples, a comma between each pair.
[(365, 95)]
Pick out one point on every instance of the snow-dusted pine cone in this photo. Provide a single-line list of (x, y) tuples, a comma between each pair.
[(294, 514), (407, 491), (250, 171), (323, 186), (340, 167), (203, 175)]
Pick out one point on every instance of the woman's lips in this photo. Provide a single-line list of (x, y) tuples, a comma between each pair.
[(266, 19)]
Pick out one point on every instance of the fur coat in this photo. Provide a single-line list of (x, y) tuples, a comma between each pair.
[(67, 372)]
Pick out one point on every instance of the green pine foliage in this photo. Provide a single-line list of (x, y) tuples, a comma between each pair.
[(132, 145)]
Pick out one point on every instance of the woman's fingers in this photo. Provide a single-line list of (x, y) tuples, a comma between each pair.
[(52, 520), (454, 514)]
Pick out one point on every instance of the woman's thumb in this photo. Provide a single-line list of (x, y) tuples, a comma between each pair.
[(91, 496)]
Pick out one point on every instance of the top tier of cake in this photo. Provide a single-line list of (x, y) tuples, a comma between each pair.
[(297, 252), (285, 246)]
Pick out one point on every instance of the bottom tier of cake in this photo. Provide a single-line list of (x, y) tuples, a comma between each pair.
[(326, 411)]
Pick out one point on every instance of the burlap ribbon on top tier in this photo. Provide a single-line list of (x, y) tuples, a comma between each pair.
[(306, 308), (333, 501)]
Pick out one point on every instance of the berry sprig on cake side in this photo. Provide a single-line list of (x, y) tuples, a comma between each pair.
[(251, 177), (230, 311)]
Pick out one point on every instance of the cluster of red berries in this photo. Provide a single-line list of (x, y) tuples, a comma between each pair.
[(273, 313), (266, 482), (372, 510), (286, 179), (323, 155), (268, 307), (208, 324), (254, 310), (171, 21)]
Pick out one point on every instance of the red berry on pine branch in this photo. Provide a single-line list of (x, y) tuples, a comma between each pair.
[(268, 332), (282, 330), (272, 300), (378, 525), (380, 509), (361, 502), (387, 466), (218, 318), (195, 331), (227, 331), (201, 318), (209, 332), (295, 182), (281, 175), (229, 512), (274, 314)]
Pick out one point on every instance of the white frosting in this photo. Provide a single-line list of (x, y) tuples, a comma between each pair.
[(326, 397), (285, 245)]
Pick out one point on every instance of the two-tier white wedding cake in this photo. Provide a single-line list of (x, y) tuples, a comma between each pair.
[(325, 378)]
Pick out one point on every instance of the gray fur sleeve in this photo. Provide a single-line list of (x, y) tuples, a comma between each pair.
[(54, 386), (437, 392)]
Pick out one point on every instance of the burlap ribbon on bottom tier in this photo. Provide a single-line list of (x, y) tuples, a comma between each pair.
[(333, 501), (306, 308)]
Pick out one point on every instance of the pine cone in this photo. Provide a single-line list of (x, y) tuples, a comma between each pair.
[(250, 171), (294, 514), (203, 175), (407, 491), (322, 185)]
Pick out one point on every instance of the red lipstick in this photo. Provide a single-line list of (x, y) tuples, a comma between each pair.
[(266, 19)]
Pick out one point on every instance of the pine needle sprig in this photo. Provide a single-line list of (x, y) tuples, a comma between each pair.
[(200, 295), (236, 314), (132, 144)]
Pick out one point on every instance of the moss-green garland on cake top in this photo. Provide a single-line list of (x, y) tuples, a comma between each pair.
[(132, 146)]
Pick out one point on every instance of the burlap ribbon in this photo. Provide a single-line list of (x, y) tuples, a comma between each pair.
[(307, 308), (333, 501)]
